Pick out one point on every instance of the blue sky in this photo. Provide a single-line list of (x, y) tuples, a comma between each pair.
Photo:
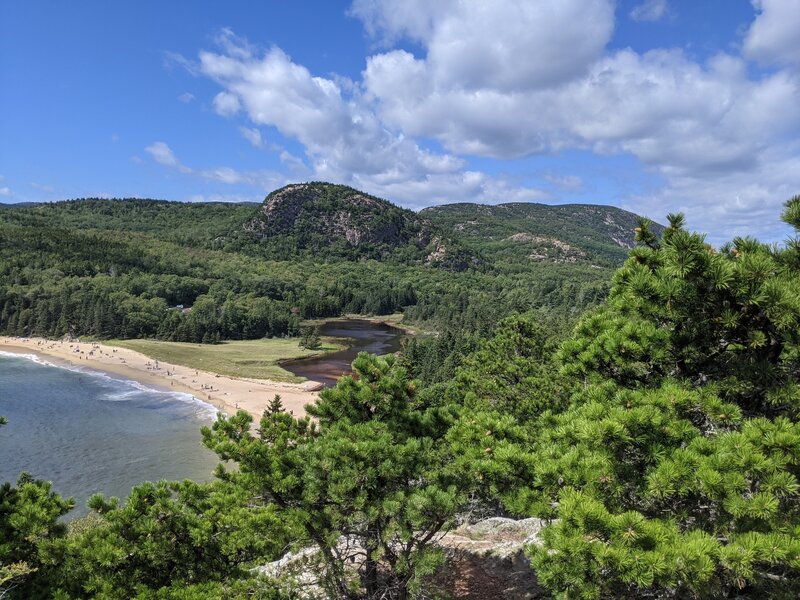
[(650, 105)]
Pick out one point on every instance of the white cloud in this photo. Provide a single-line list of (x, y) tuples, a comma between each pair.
[(343, 138), (264, 180), (692, 124), (295, 164), (734, 203), (226, 104), (391, 20), (163, 155), (502, 45), (518, 79), (227, 175), (650, 10), (774, 36), (463, 186), (252, 135), (6, 191), (186, 97)]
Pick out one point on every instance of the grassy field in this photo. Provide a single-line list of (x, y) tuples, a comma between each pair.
[(257, 359)]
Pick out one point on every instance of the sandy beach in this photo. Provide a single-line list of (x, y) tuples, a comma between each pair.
[(228, 394)]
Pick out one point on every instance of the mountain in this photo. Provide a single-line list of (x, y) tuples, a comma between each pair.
[(204, 224), (324, 220), (17, 204), (567, 233), (113, 268)]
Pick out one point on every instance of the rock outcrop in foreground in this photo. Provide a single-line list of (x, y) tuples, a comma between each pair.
[(483, 560)]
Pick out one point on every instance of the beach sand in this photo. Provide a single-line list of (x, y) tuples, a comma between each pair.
[(228, 394)]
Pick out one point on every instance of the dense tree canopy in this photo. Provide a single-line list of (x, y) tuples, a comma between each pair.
[(674, 471), (660, 438), (367, 481)]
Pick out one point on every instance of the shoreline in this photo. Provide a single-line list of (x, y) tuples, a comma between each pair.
[(392, 321), (228, 394)]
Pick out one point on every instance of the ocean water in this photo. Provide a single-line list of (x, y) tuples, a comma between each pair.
[(88, 432)]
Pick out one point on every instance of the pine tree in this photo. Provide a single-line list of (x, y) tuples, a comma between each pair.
[(675, 471), (275, 405), (309, 338), (29, 517), (369, 481)]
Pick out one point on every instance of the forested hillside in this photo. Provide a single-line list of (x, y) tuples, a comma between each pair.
[(658, 442), (204, 224), (539, 232), (206, 272)]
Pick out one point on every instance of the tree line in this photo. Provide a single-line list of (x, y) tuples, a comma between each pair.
[(658, 439), (106, 284)]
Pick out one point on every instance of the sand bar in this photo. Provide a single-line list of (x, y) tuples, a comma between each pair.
[(228, 394)]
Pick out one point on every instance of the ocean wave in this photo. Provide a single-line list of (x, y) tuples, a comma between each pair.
[(121, 396), (203, 409), (32, 357)]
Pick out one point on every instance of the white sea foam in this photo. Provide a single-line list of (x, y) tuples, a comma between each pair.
[(203, 409), (32, 357)]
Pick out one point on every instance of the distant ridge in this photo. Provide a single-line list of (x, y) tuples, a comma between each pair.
[(556, 233), (324, 222)]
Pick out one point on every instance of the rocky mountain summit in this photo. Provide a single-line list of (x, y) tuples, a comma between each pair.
[(328, 220)]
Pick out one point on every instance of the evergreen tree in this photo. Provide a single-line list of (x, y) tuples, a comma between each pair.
[(309, 338), (369, 481), (275, 405), (29, 517), (166, 537), (674, 473)]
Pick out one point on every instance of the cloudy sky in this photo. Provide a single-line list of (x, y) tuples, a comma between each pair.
[(649, 105)]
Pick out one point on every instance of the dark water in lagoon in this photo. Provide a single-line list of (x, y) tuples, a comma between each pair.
[(87, 432), (365, 336)]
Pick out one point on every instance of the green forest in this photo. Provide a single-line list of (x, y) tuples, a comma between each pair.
[(648, 412), (130, 268)]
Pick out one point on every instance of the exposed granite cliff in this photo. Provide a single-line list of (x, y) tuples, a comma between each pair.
[(332, 221)]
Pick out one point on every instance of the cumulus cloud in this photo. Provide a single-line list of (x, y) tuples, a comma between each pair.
[(163, 155), (774, 36), (390, 20), (690, 123), (343, 137), (651, 10), (6, 191), (505, 46), (186, 97), (515, 79)]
